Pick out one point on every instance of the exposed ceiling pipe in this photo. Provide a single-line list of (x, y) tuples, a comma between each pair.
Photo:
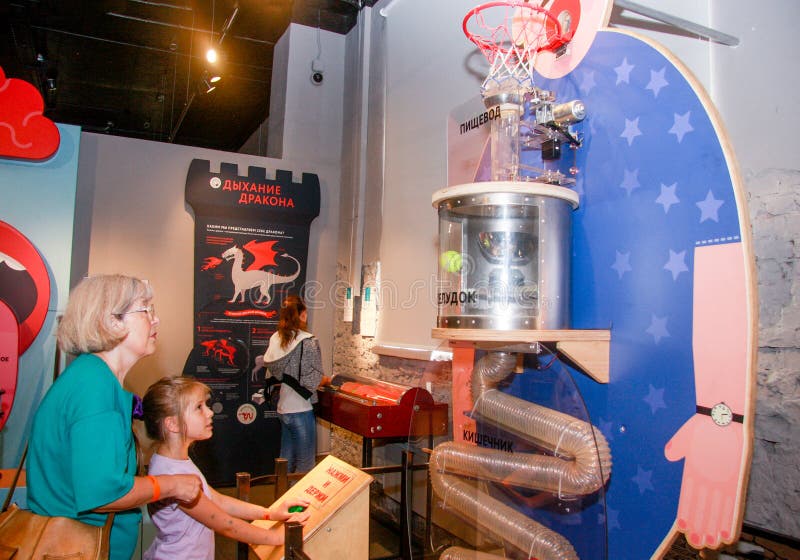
[(162, 5), (228, 22), (174, 132), (182, 27)]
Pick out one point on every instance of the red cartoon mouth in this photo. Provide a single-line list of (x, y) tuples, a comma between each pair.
[(27, 292)]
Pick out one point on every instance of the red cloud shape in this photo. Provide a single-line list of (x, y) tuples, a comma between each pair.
[(24, 132)]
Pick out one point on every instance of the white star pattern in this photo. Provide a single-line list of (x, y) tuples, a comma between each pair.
[(676, 263), (657, 328), (631, 181), (624, 72), (643, 479), (611, 517), (622, 263), (709, 208), (657, 81), (587, 83), (667, 197), (655, 398), (631, 130), (681, 126)]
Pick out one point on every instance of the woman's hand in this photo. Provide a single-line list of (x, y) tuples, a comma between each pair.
[(185, 488), (280, 512)]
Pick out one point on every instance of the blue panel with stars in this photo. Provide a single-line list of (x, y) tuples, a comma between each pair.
[(654, 183)]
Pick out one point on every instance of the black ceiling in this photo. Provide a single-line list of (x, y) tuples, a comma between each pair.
[(135, 67)]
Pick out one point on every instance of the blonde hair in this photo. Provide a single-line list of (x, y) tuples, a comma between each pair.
[(169, 396), (91, 321), (289, 322)]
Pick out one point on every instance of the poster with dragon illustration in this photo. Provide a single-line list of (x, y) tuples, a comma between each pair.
[(251, 248)]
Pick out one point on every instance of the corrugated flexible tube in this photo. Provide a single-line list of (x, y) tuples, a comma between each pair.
[(581, 464)]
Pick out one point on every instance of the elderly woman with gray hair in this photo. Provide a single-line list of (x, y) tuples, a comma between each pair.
[(82, 460)]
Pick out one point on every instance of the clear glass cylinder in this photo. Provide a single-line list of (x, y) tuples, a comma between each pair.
[(505, 143)]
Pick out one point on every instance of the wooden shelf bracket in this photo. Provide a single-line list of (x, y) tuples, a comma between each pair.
[(589, 350)]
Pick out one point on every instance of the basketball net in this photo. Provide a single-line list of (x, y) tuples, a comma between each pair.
[(510, 34)]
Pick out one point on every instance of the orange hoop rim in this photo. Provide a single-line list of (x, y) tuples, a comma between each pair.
[(485, 45)]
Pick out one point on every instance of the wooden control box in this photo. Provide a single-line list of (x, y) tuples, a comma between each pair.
[(339, 524)]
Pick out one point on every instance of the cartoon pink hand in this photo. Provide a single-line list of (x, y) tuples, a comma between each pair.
[(711, 476)]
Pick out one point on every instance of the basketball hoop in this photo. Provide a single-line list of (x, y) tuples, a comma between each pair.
[(510, 33)]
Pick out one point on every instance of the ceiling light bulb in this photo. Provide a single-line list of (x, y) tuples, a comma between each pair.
[(211, 56)]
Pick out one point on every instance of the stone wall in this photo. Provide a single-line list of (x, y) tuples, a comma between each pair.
[(773, 500), (353, 355)]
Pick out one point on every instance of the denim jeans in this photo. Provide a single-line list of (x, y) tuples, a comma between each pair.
[(299, 440)]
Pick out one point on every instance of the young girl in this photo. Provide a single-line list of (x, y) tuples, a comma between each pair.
[(175, 416)]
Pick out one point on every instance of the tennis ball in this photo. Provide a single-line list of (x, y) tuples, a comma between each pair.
[(451, 261)]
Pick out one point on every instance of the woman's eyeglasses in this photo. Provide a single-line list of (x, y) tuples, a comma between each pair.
[(150, 310)]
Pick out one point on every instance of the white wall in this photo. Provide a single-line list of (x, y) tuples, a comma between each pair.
[(312, 114), (139, 224), (425, 77), (755, 84), (305, 127)]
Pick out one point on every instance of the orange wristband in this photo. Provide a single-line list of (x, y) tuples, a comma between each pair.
[(156, 488)]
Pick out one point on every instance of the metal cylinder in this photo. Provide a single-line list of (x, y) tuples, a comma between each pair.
[(569, 113), (504, 255)]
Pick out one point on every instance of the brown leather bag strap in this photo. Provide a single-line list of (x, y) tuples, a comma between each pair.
[(13, 486), (109, 519), (105, 544)]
